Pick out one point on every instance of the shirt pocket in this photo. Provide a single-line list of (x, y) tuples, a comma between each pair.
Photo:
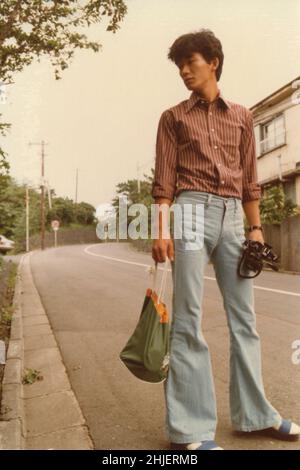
[(230, 140), (230, 137)]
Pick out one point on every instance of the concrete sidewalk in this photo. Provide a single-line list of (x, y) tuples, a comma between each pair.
[(44, 414)]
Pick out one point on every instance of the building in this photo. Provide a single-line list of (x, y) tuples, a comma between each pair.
[(277, 134)]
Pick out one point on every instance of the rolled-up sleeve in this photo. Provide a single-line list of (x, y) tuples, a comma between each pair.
[(251, 188), (165, 173)]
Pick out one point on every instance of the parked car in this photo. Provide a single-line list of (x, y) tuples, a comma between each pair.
[(5, 244)]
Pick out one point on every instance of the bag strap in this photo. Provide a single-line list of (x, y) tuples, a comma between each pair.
[(163, 284)]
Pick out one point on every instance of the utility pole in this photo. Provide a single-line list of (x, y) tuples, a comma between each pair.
[(76, 186), (49, 194), (42, 144), (27, 219)]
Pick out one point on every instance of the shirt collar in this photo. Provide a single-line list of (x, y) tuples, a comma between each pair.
[(195, 97)]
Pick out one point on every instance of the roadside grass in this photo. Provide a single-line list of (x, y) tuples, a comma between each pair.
[(8, 272), (30, 376)]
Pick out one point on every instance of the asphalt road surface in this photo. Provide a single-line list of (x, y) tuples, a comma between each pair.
[(93, 295)]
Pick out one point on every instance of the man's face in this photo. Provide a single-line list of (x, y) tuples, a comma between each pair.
[(196, 72)]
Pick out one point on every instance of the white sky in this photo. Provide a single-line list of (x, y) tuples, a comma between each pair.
[(102, 116)]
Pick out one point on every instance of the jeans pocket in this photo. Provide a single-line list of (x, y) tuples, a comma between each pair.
[(239, 227)]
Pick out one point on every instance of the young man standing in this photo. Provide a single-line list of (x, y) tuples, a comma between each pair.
[(205, 155)]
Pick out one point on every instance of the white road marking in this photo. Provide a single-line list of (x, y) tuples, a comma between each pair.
[(86, 250)]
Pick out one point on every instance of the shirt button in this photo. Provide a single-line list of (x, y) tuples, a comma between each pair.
[(215, 146), (219, 164), (213, 130), (222, 182)]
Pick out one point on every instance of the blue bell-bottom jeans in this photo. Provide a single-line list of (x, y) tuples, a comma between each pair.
[(189, 389)]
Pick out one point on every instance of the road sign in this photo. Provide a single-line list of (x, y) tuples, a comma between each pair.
[(55, 224)]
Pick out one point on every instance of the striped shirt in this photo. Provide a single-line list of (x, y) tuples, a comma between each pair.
[(206, 146)]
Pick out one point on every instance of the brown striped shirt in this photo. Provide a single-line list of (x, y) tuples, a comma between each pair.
[(206, 146)]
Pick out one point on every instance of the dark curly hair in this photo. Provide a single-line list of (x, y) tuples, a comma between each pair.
[(203, 41)]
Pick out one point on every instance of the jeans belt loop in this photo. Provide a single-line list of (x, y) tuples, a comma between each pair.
[(209, 198)]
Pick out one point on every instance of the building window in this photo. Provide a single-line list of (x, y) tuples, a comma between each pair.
[(272, 134)]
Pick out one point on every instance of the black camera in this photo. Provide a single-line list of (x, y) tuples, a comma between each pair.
[(254, 256)]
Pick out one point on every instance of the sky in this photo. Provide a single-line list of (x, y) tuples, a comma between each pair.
[(102, 117)]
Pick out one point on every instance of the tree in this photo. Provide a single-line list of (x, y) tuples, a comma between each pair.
[(12, 213), (84, 213), (129, 189), (62, 210), (31, 29), (13, 216), (4, 165), (68, 212), (275, 207)]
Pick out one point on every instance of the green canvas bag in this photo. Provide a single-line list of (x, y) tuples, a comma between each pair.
[(146, 353)]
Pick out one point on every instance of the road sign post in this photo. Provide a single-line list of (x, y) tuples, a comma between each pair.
[(55, 227)]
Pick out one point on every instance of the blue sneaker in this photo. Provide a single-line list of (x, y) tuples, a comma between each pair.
[(286, 429)]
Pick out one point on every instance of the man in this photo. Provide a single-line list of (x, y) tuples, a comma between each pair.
[(205, 156)]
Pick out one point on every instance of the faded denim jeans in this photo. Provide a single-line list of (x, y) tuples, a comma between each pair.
[(191, 414)]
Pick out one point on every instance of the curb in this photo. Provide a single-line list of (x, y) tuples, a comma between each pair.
[(16, 425), (12, 424)]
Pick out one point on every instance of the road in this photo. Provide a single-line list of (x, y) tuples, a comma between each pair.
[(93, 295)]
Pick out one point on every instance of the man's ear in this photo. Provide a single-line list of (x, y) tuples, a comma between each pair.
[(215, 62)]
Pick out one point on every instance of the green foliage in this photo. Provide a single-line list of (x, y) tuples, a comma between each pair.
[(84, 213), (62, 210), (30, 376), (275, 207), (6, 314), (13, 216), (68, 212), (52, 28), (4, 165), (8, 273), (129, 189), (19, 227), (11, 205), (31, 29)]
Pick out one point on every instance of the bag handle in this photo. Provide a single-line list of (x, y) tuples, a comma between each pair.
[(163, 284)]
